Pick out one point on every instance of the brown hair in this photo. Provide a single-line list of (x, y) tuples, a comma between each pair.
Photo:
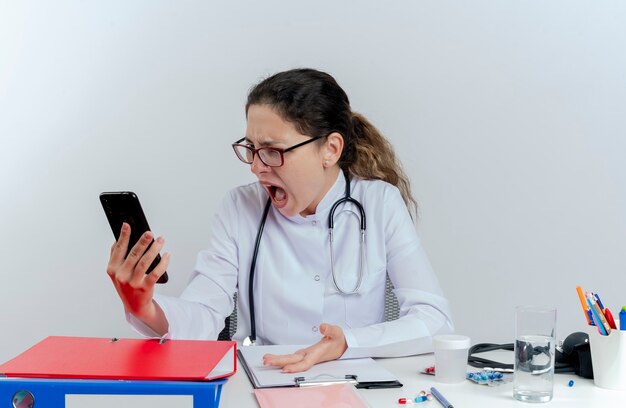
[(317, 106)]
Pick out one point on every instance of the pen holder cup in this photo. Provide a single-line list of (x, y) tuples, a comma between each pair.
[(608, 358)]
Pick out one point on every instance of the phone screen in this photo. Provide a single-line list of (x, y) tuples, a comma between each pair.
[(124, 206)]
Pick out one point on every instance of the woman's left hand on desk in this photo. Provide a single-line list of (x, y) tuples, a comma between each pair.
[(331, 347)]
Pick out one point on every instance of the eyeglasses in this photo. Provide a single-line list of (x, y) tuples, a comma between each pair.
[(270, 156)]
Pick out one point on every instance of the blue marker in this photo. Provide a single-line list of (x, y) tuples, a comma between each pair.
[(599, 301), (590, 316), (440, 398), (622, 318)]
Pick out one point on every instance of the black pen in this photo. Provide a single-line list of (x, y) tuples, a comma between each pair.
[(440, 398)]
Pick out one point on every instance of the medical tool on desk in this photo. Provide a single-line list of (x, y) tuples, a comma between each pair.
[(573, 355), (273, 157)]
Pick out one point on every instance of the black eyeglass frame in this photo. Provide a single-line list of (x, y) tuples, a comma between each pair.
[(275, 149)]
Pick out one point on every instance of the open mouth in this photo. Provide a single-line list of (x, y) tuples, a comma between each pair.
[(278, 195)]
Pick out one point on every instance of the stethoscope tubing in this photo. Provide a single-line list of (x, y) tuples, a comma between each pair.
[(251, 340), (331, 225), (252, 268)]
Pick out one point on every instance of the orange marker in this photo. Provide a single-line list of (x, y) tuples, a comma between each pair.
[(583, 303)]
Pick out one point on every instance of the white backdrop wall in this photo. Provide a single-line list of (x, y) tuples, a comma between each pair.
[(509, 117)]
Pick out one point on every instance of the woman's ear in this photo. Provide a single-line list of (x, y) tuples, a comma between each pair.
[(332, 149)]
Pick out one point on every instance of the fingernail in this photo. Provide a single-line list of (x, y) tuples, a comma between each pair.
[(160, 240)]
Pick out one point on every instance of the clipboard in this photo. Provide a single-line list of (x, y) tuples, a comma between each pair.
[(360, 372)]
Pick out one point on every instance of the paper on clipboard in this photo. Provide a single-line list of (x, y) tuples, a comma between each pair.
[(368, 373)]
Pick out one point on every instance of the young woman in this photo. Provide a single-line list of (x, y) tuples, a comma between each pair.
[(317, 163)]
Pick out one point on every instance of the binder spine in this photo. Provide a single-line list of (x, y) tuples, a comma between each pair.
[(52, 392)]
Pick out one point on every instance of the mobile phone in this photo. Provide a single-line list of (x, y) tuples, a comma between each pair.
[(124, 206)]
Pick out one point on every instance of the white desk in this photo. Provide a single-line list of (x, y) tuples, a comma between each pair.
[(238, 392)]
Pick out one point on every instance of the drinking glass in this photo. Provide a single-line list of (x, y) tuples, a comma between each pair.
[(535, 328)]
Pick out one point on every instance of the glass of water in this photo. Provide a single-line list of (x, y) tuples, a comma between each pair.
[(535, 328)]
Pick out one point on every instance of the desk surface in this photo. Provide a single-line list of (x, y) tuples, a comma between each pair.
[(238, 391)]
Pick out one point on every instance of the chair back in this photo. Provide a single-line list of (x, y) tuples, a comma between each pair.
[(392, 312)]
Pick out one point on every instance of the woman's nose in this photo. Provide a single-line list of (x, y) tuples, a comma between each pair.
[(257, 166)]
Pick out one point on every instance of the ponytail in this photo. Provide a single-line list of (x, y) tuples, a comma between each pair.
[(369, 155)]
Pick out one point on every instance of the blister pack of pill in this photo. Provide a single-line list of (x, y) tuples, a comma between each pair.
[(491, 378)]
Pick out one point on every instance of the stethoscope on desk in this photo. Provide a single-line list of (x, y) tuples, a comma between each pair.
[(331, 222)]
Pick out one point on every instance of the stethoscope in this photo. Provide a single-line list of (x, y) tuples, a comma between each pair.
[(331, 216)]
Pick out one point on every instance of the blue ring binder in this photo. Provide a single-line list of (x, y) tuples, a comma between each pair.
[(52, 392)]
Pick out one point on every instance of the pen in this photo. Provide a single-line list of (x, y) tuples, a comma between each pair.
[(600, 310), (607, 313), (597, 313), (583, 303), (622, 318), (440, 398), (599, 301), (596, 318)]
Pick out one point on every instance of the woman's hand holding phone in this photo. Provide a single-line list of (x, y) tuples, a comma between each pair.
[(133, 285)]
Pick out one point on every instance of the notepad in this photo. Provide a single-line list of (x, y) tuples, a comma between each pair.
[(363, 372)]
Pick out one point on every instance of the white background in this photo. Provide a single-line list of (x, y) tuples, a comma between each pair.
[(509, 117)]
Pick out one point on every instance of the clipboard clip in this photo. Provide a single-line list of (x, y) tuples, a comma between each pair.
[(304, 382)]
